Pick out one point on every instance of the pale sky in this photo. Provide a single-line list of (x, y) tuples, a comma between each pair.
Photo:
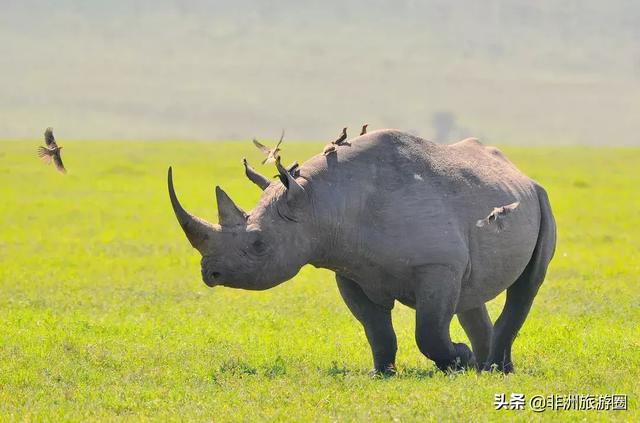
[(509, 72)]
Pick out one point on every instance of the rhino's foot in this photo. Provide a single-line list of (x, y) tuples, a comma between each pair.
[(463, 360), (503, 367), (386, 371), (499, 361)]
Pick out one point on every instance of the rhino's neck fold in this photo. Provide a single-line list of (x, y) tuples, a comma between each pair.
[(334, 239)]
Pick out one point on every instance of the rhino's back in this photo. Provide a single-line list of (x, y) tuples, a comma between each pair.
[(393, 165), (391, 156)]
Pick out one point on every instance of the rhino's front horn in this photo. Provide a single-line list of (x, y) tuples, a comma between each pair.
[(197, 230)]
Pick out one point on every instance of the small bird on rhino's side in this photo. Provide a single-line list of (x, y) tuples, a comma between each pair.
[(331, 148), (52, 151), (497, 214), (364, 129), (271, 153)]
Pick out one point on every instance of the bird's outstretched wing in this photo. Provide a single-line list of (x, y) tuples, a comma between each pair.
[(57, 160), (510, 207), (261, 147), (281, 138), (49, 138), (45, 154)]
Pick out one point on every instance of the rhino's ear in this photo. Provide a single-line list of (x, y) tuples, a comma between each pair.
[(254, 176), (295, 192), (228, 213)]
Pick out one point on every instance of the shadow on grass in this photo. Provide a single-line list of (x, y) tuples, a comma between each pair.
[(237, 368), (340, 370)]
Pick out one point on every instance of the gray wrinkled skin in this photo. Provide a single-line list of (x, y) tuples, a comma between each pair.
[(394, 216)]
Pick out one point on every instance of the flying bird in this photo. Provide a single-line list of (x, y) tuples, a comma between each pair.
[(331, 148), (497, 214), (364, 129), (52, 151), (271, 154)]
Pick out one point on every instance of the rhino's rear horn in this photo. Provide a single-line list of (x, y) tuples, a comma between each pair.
[(197, 230), (228, 213)]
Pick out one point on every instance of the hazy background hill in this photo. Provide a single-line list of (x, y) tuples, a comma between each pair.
[(546, 72)]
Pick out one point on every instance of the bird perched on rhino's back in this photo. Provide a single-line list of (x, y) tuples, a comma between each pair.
[(341, 140), (395, 219), (364, 129), (270, 153), (51, 153)]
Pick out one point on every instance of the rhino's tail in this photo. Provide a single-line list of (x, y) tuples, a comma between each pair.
[(545, 247), (546, 244)]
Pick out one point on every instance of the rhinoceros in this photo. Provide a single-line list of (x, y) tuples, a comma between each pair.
[(394, 216)]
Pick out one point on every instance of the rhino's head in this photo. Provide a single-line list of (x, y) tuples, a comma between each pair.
[(250, 251)]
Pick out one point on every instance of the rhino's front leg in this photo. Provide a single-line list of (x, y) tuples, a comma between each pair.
[(437, 290), (377, 324)]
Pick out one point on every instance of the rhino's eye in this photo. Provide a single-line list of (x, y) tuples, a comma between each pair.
[(258, 246)]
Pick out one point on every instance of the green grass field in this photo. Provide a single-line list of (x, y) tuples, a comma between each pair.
[(103, 315)]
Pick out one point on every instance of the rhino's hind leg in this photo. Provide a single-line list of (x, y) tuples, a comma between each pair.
[(478, 327), (520, 295), (377, 325), (437, 291)]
